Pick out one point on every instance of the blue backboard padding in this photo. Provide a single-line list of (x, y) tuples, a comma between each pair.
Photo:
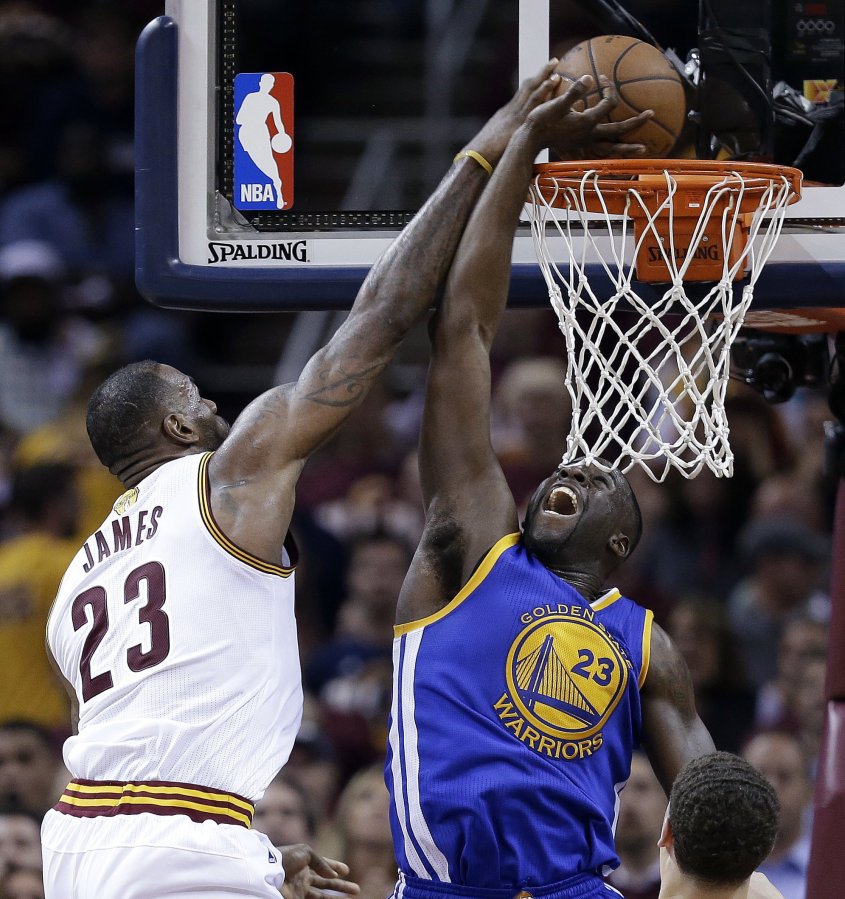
[(167, 281)]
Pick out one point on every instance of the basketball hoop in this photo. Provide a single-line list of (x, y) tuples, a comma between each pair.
[(652, 391)]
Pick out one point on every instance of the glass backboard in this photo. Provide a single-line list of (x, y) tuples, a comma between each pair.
[(367, 103)]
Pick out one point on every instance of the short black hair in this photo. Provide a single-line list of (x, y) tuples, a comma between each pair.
[(34, 488), (122, 407), (724, 817)]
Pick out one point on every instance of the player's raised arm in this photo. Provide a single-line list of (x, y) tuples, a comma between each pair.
[(261, 459), (463, 486)]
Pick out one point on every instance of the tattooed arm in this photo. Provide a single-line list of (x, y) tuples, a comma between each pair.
[(254, 474)]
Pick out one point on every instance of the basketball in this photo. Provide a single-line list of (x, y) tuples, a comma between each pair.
[(281, 142), (643, 78)]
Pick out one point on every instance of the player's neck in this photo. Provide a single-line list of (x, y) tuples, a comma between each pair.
[(589, 584), (133, 470), (688, 889)]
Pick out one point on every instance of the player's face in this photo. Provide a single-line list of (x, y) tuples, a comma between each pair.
[(199, 412), (573, 514)]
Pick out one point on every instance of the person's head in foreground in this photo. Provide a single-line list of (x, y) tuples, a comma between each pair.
[(720, 825), (584, 517)]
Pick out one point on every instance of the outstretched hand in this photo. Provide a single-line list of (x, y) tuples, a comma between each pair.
[(588, 134), (493, 138), (310, 876)]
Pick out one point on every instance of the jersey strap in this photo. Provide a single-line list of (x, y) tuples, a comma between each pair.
[(96, 799), (233, 549)]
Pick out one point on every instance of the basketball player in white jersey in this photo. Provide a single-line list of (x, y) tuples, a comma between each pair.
[(174, 625)]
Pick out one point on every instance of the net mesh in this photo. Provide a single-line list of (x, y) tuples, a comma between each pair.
[(647, 370)]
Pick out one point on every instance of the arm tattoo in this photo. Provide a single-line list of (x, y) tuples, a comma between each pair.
[(343, 388)]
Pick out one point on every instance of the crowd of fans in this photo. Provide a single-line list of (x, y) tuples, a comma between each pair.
[(736, 570)]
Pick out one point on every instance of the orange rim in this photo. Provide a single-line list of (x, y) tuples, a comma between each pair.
[(614, 179)]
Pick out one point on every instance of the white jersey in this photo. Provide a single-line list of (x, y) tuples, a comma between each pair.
[(180, 645)]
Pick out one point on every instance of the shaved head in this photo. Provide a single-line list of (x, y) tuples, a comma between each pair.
[(125, 409)]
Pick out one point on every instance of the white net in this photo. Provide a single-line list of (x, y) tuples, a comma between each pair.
[(647, 370)]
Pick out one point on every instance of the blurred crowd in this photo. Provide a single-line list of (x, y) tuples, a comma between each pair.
[(736, 570)]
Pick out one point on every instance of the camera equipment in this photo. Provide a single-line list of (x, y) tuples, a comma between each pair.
[(777, 364)]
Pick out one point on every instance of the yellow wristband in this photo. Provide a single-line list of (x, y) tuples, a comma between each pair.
[(474, 154)]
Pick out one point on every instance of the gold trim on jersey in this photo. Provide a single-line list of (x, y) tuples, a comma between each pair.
[(477, 577), (649, 619), (204, 491), (607, 600), (96, 799)]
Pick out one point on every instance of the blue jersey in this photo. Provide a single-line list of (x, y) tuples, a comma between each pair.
[(515, 711)]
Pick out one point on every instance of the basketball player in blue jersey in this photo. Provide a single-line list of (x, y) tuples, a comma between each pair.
[(174, 624), (522, 682)]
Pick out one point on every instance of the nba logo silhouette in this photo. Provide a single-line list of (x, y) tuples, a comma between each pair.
[(263, 140)]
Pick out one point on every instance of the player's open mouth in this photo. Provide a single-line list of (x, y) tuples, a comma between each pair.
[(562, 501)]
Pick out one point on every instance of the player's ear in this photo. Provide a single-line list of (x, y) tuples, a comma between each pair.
[(177, 429), (666, 839), (620, 545)]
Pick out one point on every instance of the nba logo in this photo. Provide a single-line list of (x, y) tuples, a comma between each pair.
[(263, 140)]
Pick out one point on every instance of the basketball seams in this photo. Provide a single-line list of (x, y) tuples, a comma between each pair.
[(649, 78), (619, 59), (595, 75), (620, 55)]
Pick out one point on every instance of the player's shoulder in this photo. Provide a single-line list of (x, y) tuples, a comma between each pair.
[(760, 887)]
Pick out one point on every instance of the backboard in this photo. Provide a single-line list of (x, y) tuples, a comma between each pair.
[(374, 98)]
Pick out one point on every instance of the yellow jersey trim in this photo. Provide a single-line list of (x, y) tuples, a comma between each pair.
[(161, 790), (607, 600), (649, 619), (477, 577), (148, 800), (233, 549)]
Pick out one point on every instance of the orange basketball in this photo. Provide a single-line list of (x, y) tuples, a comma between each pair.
[(644, 79)]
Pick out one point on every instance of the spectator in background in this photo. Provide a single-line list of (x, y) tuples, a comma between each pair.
[(65, 442), (779, 758), (364, 624), (30, 772), (22, 883), (809, 709), (313, 763), (803, 639), (42, 349), (786, 567), (351, 673), (78, 211), (372, 503), (759, 439), (20, 839), (98, 89), (689, 542), (363, 446), (32, 564), (35, 51), (702, 632), (791, 494), (642, 805), (532, 412), (360, 832), (284, 813)]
